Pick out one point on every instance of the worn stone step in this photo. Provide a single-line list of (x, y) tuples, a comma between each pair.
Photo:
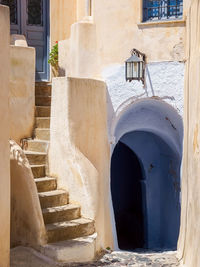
[(82, 249), (69, 229), (42, 134), (36, 158), (46, 184), (41, 122), (61, 213), (37, 145), (53, 198), (38, 171), (43, 100), (42, 111), (43, 89)]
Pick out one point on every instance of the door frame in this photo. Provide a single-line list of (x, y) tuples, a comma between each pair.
[(21, 22)]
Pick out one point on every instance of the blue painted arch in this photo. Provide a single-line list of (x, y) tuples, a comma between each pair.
[(153, 130)]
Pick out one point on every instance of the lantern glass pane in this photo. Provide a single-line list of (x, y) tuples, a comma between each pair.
[(141, 70), (135, 70), (129, 70)]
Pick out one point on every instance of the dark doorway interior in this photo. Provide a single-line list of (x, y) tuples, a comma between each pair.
[(126, 188)]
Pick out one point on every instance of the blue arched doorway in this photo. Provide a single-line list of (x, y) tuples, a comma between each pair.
[(126, 187), (145, 176)]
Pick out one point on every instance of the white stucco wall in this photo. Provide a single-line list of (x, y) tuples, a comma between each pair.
[(163, 79)]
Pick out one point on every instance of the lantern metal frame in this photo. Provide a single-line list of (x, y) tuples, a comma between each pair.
[(141, 59)]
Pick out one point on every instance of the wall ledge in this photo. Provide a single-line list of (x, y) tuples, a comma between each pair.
[(162, 23)]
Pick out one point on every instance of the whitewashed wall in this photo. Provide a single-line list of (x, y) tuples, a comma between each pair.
[(164, 80)]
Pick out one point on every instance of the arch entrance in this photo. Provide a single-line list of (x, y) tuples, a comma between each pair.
[(145, 176), (127, 197)]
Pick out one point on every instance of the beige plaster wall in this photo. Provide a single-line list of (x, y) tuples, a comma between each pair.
[(119, 30), (189, 240), (81, 4), (27, 225), (84, 60), (62, 16), (4, 138), (22, 92), (79, 150), (114, 28)]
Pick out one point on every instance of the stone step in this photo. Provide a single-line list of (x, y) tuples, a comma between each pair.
[(41, 122), (43, 89), (43, 100), (36, 145), (38, 171), (82, 249), (42, 134), (53, 198), (61, 213), (69, 229), (46, 184), (42, 111), (36, 158)]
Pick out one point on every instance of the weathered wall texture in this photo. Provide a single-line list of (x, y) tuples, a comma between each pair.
[(160, 42), (4, 137), (79, 151), (22, 92), (189, 241), (165, 40), (81, 5), (27, 225), (62, 16), (95, 50), (163, 79)]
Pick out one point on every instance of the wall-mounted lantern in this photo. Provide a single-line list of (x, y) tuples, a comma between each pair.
[(135, 66)]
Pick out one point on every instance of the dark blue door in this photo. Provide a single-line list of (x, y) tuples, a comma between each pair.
[(30, 18)]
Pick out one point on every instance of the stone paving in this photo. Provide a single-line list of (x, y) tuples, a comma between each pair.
[(26, 257), (133, 259)]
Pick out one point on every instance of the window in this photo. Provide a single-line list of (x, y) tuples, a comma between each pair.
[(162, 9), (34, 10)]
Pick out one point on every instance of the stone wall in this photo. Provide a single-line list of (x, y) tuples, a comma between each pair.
[(4, 138), (189, 241)]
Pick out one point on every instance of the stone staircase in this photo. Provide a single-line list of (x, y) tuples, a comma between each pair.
[(67, 232)]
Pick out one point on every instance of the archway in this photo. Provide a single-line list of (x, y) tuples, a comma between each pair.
[(148, 137), (127, 197)]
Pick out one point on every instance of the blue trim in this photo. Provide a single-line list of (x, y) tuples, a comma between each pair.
[(46, 14)]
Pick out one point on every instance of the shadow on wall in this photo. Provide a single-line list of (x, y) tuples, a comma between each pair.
[(145, 181)]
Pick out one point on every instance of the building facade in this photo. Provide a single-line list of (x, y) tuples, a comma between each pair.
[(114, 146)]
